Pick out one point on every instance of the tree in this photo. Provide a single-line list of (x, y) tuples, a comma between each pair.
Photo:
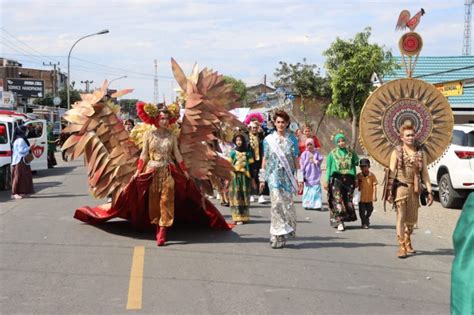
[(48, 99), (350, 65), (304, 79), (239, 88), (129, 106)]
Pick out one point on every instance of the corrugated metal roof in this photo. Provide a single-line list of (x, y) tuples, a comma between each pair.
[(443, 69)]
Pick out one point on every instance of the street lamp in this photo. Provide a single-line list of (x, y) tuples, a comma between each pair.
[(68, 64), (122, 77)]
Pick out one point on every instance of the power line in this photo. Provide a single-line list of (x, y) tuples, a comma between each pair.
[(12, 36)]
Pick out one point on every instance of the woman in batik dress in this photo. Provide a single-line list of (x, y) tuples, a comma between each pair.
[(239, 189), (340, 182)]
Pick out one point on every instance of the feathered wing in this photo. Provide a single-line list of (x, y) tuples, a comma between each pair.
[(96, 132), (207, 101), (403, 18)]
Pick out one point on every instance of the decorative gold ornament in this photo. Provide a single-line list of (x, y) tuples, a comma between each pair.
[(401, 101)]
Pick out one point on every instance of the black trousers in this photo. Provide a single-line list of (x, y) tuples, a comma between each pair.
[(365, 210)]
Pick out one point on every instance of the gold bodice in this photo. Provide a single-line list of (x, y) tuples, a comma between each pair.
[(158, 148)]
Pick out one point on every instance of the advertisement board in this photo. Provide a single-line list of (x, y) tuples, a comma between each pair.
[(30, 88)]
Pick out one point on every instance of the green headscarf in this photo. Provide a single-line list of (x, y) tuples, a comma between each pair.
[(339, 136)]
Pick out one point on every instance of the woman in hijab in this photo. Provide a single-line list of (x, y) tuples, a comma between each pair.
[(22, 179), (310, 164), (239, 190), (340, 182)]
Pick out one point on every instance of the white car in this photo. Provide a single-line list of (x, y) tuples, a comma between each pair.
[(8, 122), (453, 175)]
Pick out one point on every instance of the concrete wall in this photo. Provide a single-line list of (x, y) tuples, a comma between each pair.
[(327, 126)]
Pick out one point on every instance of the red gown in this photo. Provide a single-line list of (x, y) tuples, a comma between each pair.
[(190, 206)]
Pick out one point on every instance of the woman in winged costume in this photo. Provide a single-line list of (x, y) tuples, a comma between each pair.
[(159, 194), (160, 150)]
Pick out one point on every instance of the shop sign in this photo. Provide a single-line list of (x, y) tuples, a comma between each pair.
[(450, 88)]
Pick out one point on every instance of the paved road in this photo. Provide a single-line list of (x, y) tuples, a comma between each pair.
[(54, 264)]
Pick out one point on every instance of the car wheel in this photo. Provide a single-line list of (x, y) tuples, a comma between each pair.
[(447, 194)]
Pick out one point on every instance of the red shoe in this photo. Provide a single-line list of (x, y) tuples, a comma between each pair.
[(161, 235)]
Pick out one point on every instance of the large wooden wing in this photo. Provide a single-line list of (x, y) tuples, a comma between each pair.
[(96, 132), (207, 102)]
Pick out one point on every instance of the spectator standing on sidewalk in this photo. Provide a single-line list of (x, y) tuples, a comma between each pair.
[(367, 183), (22, 178)]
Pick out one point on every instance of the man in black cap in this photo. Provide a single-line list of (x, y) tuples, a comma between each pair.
[(368, 192)]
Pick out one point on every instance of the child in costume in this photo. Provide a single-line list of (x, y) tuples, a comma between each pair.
[(310, 164), (239, 189), (368, 192)]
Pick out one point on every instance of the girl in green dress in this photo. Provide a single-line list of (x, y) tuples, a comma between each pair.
[(239, 189), (340, 182)]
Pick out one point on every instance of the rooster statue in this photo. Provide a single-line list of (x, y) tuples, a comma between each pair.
[(404, 20), (112, 157)]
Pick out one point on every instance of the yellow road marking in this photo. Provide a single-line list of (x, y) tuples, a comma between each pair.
[(135, 287)]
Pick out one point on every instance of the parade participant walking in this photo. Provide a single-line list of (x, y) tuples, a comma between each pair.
[(160, 148), (310, 165), (278, 169), (367, 183), (307, 134), (256, 137), (408, 168), (51, 147), (340, 182), (239, 189), (22, 178)]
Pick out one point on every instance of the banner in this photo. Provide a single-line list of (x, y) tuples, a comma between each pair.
[(450, 89)]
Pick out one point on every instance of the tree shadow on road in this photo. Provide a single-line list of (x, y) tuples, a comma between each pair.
[(436, 252), (44, 185), (61, 170), (54, 196)]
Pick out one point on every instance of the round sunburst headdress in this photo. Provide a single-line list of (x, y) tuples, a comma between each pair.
[(406, 100)]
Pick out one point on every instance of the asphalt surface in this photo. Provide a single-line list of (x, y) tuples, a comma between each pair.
[(53, 264)]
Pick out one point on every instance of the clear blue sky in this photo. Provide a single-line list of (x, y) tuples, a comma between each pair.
[(244, 39)]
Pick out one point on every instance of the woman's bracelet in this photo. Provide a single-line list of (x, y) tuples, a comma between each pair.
[(261, 175), (299, 176)]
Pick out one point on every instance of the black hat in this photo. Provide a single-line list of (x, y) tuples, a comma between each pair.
[(364, 162)]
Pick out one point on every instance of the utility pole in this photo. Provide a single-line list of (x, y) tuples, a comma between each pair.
[(155, 84), (265, 84), (87, 82), (55, 76), (466, 45)]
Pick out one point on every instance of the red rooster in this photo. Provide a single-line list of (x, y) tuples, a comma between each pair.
[(404, 20)]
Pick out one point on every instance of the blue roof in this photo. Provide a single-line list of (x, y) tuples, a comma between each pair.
[(443, 69)]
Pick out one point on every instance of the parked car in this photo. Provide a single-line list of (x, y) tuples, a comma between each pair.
[(38, 136), (453, 175)]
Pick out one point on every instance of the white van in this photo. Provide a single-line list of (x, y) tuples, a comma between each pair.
[(37, 135)]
